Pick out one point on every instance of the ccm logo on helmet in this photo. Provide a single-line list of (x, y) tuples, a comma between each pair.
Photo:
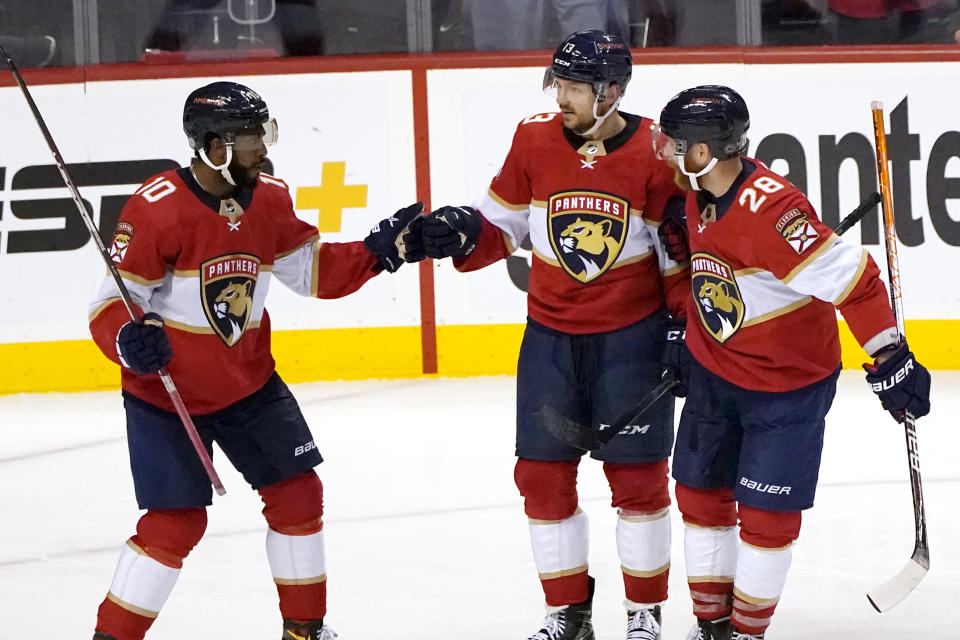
[(894, 379)]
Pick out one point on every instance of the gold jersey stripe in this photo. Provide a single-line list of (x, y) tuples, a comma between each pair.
[(645, 574), (294, 581), (854, 280), (140, 611), (506, 205), (776, 313), (563, 573)]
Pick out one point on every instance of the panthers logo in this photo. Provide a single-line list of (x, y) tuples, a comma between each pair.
[(587, 231), (717, 296), (227, 284)]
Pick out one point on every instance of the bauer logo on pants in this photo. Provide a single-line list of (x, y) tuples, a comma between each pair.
[(587, 230), (226, 286), (718, 300)]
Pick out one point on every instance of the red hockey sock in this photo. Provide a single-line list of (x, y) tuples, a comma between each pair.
[(114, 620)]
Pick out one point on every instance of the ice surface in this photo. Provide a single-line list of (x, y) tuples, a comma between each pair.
[(426, 535)]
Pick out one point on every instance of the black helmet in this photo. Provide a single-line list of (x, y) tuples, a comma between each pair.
[(222, 108), (595, 57), (713, 114)]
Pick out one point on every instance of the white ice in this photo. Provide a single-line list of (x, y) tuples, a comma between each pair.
[(426, 536)]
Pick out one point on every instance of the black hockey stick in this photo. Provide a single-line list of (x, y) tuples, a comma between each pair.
[(124, 294), (589, 439), (899, 587)]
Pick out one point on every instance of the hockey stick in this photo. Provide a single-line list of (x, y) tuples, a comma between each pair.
[(589, 439), (124, 294), (899, 587)]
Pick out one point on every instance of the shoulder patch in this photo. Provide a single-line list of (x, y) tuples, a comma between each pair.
[(797, 230), (121, 240)]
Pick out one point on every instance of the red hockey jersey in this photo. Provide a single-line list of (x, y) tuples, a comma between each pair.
[(591, 209), (766, 277), (205, 265)]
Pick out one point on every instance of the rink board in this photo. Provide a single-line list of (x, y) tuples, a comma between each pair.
[(350, 161)]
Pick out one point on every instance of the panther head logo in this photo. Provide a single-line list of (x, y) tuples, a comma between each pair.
[(227, 287), (716, 300), (233, 304), (715, 290), (592, 243)]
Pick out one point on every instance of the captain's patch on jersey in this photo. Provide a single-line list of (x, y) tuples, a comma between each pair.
[(717, 297), (226, 286), (797, 230), (121, 240), (587, 231)]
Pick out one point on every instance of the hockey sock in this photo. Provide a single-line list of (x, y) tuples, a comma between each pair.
[(643, 529), (558, 528), (295, 545), (762, 566), (147, 571), (710, 548)]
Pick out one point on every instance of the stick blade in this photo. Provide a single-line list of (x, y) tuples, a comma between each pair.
[(567, 430), (889, 594)]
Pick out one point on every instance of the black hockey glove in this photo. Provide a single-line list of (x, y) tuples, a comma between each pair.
[(397, 239), (143, 346), (451, 232), (673, 230), (676, 357), (902, 383)]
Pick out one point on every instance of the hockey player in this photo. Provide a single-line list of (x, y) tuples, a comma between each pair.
[(585, 186), (196, 248), (766, 277)]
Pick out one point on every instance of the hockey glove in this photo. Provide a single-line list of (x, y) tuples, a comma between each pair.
[(676, 357), (451, 232), (673, 230), (143, 346), (902, 383), (397, 239)]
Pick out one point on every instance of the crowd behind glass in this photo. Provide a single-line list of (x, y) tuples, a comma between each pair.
[(78, 32)]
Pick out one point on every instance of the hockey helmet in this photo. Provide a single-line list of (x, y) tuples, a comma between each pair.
[(225, 109), (712, 114), (592, 56)]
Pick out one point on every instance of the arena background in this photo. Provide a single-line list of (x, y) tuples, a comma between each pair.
[(364, 135)]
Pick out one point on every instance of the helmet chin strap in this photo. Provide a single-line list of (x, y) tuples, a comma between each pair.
[(599, 120), (693, 176), (224, 171)]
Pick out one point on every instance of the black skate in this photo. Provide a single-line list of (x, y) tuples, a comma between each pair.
[(102, 636), (718, 629), (644, 624), (739, 635), (312, 630), (570, 623)]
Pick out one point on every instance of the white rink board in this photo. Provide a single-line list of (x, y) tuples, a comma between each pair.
[(474, 113), (365, 119), (128, 120)]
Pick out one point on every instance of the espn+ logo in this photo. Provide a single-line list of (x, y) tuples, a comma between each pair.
[(37, 213)]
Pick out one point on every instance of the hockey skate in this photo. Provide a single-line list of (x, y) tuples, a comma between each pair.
[(644, 624), (737, 635), (312, 630), (573, 622), (719, 629)]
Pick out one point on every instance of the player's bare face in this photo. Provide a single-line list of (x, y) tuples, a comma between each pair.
[(575, 100), (249, 156)]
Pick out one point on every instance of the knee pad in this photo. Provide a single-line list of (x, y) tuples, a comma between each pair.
[(549, 489), (707, 507), (168, 535), (639, 488), (769, 529), (295, 506)]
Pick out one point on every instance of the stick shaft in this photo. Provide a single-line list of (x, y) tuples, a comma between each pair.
[(896, 300), (168, 384)]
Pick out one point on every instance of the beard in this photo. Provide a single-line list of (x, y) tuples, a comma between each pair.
[(243, 176)]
